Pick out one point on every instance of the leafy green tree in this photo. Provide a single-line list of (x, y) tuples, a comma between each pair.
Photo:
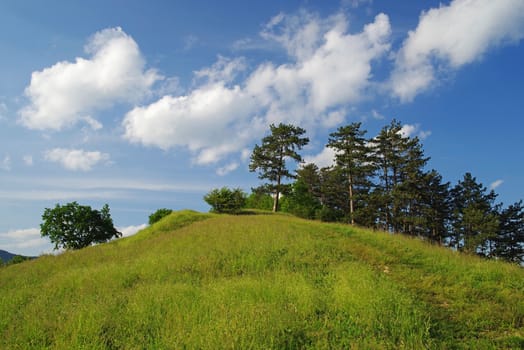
[(259, 198), (300, 201), (74, 226), (17, 259), (353, 160), (225, 200), (509, 243), (474, 219), (269, 159), (159, 214)]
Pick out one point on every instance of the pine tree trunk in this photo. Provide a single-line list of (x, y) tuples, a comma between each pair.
[(277, 195)]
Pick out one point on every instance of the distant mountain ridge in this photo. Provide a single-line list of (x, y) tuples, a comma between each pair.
[(6, 256)]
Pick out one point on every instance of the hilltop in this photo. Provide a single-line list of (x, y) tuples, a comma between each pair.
[(209, 281)]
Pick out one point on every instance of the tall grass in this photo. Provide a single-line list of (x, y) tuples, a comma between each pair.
[(201, 281)]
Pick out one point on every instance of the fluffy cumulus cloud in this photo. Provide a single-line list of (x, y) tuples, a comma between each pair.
[(325, 158), (75, 159), (69, 92), (328, 68), (449, 37)]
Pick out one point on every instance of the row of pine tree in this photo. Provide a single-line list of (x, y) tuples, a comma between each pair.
[(382, 183)]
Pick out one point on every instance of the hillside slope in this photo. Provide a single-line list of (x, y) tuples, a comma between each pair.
[(260, 281)]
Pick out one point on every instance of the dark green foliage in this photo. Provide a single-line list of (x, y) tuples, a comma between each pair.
[(259, 199), (225, 200), (269, 159), (399, 161), (17, 259), (436, 209), (301, 202), (354, 164), (159, 214), (474, 218), (75, 226), (334, 195), (509, 243)]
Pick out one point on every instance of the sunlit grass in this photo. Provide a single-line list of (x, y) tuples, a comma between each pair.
[(203, 281)]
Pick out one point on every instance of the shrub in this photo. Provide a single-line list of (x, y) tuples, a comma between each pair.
[(159, 214), (225, 200)]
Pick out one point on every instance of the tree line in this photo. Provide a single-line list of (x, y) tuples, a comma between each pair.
[(382, 183)]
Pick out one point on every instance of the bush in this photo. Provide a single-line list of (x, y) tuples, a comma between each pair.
[(225, 200), (159, 214)]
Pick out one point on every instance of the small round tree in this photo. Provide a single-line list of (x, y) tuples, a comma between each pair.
[(74, 226), (225, 200)]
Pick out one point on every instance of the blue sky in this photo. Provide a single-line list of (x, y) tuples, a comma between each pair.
[(145, 105)]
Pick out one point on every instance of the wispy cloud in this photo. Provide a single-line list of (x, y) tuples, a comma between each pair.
[(495, 184), (5, 164), (227, 169), (76, 159), (3, 111)]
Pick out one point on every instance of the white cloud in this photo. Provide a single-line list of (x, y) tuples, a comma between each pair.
[(6, 163), (376, 115), (75, 159), (28, 160), (451, 36), (3, 111), (494, 185), (412, 130), (227, 169), (69, 92), (356, 3), (223, 70), (25, 242), (329, 68), (23, 234), (325, 158), (131, 230)]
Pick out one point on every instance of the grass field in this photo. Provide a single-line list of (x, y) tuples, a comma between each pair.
[(203, 281)]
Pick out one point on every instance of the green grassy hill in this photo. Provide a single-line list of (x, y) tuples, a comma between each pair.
[(202, 281)]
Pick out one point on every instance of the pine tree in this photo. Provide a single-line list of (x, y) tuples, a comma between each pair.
[(436, 207), (509, 243), (353, 161), (399, 161), (270, 158), (474, 219)]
